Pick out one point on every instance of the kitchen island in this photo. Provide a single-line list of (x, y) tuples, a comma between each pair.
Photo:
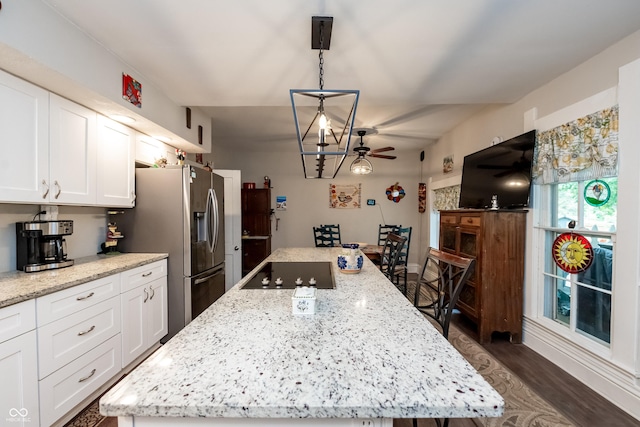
[(366, 354)]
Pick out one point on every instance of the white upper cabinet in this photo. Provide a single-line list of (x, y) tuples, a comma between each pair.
[(72, 153), (116, 164), (24, 139)]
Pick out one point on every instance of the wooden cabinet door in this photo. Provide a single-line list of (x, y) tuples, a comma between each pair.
[(116, 164), (24, 139)]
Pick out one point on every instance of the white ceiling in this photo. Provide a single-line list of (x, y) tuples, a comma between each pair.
[(421, 66)]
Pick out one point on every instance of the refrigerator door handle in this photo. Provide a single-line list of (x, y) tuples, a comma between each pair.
[(204, 279), (216, 219), (208, 220)]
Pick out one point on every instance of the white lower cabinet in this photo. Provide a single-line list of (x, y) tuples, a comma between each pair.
[(61, 349), (18, 359), (68, 386), (144, 309)]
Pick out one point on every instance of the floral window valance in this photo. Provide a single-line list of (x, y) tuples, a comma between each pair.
[(586, 148), (446, 198)]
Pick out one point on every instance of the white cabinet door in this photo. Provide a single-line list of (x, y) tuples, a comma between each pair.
[(133, 324), (19, 390), (144, 318), (116, 164), (24, 140), (157, 310), (72, 155)]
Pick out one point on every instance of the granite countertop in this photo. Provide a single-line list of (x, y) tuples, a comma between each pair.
[(365, 353), (17, 286)]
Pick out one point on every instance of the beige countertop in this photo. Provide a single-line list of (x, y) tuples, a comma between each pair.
[(17, 286)]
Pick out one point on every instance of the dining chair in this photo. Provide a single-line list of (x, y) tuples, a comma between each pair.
[(327, 235), (401, 269), (390, 254), (441, 279), (383, 230)]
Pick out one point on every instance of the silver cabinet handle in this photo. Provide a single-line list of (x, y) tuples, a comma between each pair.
[(93, 371), (146, 295), (153, 292), (59, 189), (84, 297), (147, 274), (87, 331), (46, 192)]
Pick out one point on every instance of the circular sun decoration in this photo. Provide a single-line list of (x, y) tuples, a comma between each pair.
[(597, 193), (572, 252), (395, 193)]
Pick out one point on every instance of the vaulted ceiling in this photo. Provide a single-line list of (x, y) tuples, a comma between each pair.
[(421, 66)]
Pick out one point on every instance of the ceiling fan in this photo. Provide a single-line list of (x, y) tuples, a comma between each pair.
[(362, 151)]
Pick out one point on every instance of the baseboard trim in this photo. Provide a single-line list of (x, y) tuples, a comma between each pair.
[(611, 381)]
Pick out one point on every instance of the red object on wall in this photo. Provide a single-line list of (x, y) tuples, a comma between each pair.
[(131, 90)]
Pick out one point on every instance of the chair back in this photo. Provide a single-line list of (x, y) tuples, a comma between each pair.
[(384, 230), (327, 235), (440, 282), (404, 253), (391, 253)]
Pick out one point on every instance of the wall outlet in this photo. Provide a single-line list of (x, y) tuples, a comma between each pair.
[(364, 423)]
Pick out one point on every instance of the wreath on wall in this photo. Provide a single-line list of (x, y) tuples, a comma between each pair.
[(395, 193)]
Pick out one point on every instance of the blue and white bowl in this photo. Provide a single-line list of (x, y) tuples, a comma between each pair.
[(351, 259)]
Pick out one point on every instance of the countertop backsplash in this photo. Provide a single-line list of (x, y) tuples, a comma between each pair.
[(89, 230)]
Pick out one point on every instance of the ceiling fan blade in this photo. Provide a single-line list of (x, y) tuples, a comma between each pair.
[(382, 156), (383, 149)]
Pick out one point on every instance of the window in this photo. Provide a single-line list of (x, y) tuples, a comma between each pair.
[(581, 301)]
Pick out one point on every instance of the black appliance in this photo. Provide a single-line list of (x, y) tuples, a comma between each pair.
[(284, 275), (40, 245), (502, 170)]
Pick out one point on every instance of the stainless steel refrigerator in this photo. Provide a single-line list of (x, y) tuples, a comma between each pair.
[(180, 211)]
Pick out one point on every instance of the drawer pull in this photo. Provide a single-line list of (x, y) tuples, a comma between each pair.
[(85, 297), (153, 292), (469, 220), (93, 371), (147, 274), (146, 295), (87, 331)]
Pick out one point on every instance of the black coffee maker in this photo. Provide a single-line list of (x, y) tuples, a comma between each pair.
[(40, 245)]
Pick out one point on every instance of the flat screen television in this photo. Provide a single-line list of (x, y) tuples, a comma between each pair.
[(503, 170)]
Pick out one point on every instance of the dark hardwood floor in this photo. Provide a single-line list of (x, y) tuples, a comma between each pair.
[(581, 405)]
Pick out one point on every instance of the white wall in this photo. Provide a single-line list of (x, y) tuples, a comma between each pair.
[(611, 372), (308, 199), (40, 46)]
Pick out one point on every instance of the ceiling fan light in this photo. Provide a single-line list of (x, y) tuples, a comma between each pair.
[(361, 166)]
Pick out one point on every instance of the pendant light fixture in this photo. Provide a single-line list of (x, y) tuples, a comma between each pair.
[(329, 113), (361, 166)]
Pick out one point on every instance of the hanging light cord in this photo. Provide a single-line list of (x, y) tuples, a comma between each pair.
[(321, 56)]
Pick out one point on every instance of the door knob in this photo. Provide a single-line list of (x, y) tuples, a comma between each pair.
[(236, 248)]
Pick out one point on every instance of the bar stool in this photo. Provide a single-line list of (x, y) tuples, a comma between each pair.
[(439, 284)]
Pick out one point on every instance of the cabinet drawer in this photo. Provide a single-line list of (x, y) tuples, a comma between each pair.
[(63, 303), (67, 387), (62, 341), (17, 319), (448, 219), (144, 274), (473, 221)]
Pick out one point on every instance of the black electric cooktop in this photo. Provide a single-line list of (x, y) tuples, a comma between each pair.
[(283, 275)]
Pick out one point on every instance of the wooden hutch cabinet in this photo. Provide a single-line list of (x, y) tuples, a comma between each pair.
[(492, 297), (256, 227)]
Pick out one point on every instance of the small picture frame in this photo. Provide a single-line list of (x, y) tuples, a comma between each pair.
[(447, 164)]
